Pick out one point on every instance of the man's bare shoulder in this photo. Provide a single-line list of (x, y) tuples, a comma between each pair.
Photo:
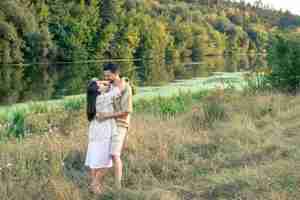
[(127, 86)]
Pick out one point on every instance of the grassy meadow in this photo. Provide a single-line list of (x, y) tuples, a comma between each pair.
[(213, 145)]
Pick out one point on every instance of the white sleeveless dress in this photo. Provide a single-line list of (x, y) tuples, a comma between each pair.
[(100, 133)]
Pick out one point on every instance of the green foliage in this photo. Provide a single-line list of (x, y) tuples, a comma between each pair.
[(168, 106), (284, 58), (38, 108), (258, 35), (74, 104), (256, 82), (110, 11), (174, 105), (117, 29), (157, 32), (11, 86), (16, 126)]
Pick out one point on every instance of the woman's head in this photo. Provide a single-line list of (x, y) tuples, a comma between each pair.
[(92, 93)]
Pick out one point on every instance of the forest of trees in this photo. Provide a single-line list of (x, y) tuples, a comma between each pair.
[(154, 31)]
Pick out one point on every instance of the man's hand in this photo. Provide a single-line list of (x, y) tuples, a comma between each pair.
[(102, 116)]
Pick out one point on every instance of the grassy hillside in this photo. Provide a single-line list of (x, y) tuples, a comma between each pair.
[(226, 146)]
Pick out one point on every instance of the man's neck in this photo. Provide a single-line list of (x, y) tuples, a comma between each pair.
[(118, 78)]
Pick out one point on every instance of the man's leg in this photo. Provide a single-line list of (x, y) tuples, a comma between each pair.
[(118, 168), (92, 175), (93, 179), (117, 145)]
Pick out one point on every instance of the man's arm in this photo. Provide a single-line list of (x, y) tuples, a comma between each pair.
[(103, 116)]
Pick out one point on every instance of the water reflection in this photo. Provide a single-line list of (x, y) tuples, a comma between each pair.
[(210, 64), (40, 82)]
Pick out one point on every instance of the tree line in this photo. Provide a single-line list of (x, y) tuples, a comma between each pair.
[(155, 31)]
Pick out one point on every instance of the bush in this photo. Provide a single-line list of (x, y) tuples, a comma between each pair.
[(16, 124), (284, 59)]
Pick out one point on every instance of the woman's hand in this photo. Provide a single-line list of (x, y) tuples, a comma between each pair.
[(106, 83)]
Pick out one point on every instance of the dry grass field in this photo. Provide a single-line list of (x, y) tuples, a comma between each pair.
[(224, 146)]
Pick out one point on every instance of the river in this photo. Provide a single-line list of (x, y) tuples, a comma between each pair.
[(21, 83)]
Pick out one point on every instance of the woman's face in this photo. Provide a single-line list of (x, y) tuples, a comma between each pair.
[(102, 87)]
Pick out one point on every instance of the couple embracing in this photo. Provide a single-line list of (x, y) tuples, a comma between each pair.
[(109, 105)]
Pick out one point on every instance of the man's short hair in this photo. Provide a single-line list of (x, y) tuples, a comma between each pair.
[(113, 68)]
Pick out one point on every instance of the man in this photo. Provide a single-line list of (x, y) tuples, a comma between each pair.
[(122, 110)]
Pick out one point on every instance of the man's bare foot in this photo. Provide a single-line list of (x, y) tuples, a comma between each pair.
[(118, 185)]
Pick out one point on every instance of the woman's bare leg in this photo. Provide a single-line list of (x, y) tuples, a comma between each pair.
[(92, 178), (92, 174), (97, 180), (99, 175)]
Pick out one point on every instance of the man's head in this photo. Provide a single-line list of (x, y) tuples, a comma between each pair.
[(111, 72)]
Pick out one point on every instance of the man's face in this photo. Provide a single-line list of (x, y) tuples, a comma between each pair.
[(109, 76)]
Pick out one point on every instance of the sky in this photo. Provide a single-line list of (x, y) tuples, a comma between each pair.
[(291, 5)]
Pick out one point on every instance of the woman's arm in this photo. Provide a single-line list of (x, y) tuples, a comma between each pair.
[(106, 83), (121, 84)]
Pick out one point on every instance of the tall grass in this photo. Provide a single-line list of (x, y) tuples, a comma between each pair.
[(16, 126), (166, 106), (74, 104)]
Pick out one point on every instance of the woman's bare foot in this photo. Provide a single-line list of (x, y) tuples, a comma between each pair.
[(95, 187)]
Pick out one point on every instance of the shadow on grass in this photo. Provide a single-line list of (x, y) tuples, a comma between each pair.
[(74, 169), (189, 151), (232, 190), (266, 155)]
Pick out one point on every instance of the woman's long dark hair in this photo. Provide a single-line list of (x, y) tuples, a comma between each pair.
[(92, 93)]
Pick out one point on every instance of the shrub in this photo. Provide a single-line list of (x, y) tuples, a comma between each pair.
[(74, 104), (284, 59), (16, 124)]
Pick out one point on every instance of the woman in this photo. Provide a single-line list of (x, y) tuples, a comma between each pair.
[(100, 96)]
